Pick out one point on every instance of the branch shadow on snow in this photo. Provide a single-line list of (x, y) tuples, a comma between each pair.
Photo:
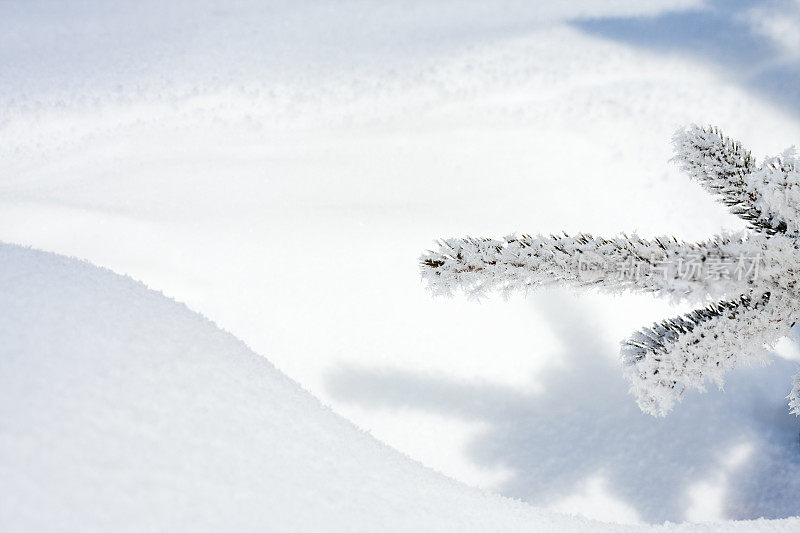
[(721, 33), (584, 423)]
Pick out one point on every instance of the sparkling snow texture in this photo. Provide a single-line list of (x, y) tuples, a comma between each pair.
[(123, 410)]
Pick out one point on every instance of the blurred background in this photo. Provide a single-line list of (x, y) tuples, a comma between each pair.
[(280, 166)]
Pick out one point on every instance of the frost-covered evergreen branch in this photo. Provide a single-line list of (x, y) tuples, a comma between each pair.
[(778, 197), (753, 276), (701, 346), (726, 264), (767, 197), (661, 265)]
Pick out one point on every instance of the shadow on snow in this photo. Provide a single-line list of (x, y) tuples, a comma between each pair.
[(584, 423), (721, 34)]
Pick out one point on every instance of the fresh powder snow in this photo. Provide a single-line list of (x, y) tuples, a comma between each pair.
[(123, 410)]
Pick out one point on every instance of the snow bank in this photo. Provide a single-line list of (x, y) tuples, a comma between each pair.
[(123, 410)]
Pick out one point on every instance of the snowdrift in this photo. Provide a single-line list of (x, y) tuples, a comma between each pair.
[(122, 410)]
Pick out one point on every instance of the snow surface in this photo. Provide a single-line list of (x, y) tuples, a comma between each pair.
[(280, 168), (123, 410)]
